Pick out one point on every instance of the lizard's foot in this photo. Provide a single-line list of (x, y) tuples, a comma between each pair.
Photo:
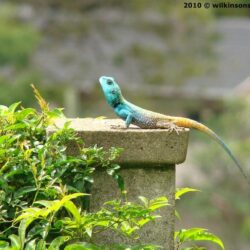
[(170, 126), (174, 128)]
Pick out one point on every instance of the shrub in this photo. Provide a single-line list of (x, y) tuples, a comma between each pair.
[(38, 182)]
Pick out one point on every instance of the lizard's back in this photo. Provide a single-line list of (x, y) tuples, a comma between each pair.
[(144, 118)]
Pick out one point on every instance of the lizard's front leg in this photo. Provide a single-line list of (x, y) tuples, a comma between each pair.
[(128, 120), (125, 115)]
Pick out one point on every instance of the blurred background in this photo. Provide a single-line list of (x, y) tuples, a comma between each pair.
[(188, 62)]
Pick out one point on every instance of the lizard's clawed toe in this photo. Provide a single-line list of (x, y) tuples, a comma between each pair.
[(170, 126)]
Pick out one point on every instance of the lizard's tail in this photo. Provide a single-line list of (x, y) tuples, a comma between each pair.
[(189, 123)]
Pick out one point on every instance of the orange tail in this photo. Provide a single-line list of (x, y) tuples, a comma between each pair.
[(189, 123)]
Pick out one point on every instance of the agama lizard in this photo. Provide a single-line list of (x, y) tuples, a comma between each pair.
[(147, 119)]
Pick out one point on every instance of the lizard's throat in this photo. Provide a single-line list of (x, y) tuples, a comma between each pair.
[(115, 102), (115, 105)]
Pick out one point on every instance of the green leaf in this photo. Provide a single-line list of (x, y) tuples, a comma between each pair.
[(119, 181), (44, 203), (31, 245), (70, 206), (15, 126), (143, 221), (144, 200), (56, 113), (22, 230), (207, 236), (13, 107), (198, 234), (4, 245), (4, 138), (19, 193), (73, 196), (33, 213), (13, 172), (24, 113), (180, 191), (41, 245), (57, 242), (89, 231), (28, 213), (158, 203), (184, 234), (82, 246), (15, 241)]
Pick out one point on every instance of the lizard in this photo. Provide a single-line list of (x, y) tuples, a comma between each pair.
[(147, 119)]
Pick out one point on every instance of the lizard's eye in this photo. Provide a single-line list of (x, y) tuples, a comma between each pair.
[(109, 82)]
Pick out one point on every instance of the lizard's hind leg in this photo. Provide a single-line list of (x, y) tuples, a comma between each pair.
[(170, 126)]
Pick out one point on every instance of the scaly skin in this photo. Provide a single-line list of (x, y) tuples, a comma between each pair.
[(147, 119)]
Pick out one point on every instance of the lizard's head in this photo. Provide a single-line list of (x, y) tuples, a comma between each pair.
[(111, 90)]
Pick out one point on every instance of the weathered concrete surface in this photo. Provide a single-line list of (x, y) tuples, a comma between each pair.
[(141, 146), (148, 168)]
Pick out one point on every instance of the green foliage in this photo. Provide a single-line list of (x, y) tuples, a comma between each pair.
[(88, 246), (192, 235), (44, 192), (124, 218), (181, 191), (196, 234)]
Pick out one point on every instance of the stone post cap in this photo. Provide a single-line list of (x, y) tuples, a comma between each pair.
[(141, 146)]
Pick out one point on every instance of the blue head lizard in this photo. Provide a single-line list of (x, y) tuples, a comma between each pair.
[(147, 119)]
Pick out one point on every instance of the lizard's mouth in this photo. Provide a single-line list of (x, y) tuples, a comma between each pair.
[(103, 80)]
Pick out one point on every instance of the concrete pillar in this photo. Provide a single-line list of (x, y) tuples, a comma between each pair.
[(148, 168)]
